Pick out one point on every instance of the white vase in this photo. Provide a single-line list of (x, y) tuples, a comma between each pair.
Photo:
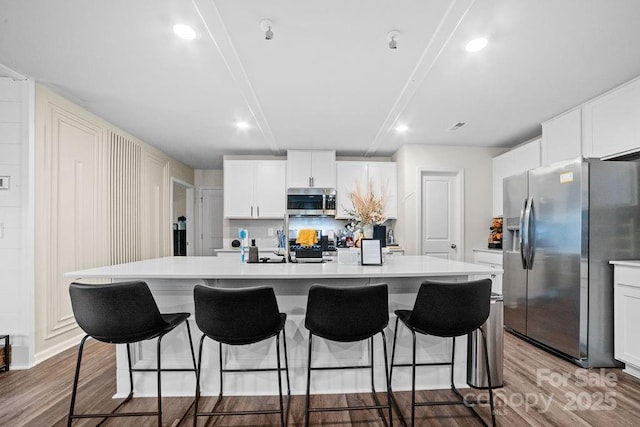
[(367, 231)]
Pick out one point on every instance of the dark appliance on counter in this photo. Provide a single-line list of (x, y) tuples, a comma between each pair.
[(380, 233), (562, 225), (180, 237), (311, 201)]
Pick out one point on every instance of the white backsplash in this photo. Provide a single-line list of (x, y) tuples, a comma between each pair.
[(257, 229)]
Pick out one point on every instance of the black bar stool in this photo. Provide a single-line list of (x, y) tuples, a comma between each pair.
[(446, 310), (122, 313), (348, 314), (239, 317)]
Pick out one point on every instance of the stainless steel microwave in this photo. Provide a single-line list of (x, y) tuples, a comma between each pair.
[(311, 201)]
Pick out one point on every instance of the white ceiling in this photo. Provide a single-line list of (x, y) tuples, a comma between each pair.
[(327, 80)]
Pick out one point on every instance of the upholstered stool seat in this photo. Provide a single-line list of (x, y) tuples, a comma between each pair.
[(123, 313), (446, 310), (348, 314), (240, 317)]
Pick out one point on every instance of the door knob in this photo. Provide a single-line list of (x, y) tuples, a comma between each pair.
[(453, 246)]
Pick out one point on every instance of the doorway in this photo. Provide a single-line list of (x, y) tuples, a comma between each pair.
[(182, 199), (441, 221), (211, 223)]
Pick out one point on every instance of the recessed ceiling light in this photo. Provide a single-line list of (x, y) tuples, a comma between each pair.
[(242, 125), (402, 128), (184, 31), (476, 44)]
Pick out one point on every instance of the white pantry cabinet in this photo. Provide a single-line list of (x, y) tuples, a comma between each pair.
[(514, 162), (626, 315), (562, 138), (612, 122), (254, 189), (380, 174), (311, 169)]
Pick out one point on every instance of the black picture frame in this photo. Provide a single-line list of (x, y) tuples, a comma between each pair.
[(370, 252)]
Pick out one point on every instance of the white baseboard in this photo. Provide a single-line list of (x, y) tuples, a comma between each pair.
[(58, 348)]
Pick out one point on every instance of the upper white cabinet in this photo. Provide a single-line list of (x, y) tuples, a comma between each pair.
[(347, 175), (612, 122), (514, 162), (311, 169), (381, 175), (384, 175), (562, 137), (254, 188)]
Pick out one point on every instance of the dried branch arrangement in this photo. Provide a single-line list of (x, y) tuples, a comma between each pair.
[(368, 208)]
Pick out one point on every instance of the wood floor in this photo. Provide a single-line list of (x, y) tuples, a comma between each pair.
[(539, 390)]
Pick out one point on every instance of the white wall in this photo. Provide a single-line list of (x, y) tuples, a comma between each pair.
[(477, 166), (16, 219)]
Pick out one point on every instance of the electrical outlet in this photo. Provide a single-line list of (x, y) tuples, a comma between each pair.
[(270, 232), (4, 182)]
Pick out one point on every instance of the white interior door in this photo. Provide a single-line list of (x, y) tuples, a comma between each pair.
[(441, 227), (211, 218)]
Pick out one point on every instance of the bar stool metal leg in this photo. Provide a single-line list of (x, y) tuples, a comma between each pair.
[(486, 360), (307, 396)]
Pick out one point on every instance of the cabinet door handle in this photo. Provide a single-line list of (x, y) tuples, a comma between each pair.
[(258, 209), (251, 211)]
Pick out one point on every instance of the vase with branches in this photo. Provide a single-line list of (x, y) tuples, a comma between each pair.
[(368, 207)]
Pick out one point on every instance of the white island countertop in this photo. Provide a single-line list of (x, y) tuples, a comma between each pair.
[(626, 263), (223, 268)]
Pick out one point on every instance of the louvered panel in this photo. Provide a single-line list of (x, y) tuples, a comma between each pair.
[(125, 160)]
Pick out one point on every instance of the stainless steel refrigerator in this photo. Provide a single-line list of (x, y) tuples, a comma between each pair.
[(563, 223)]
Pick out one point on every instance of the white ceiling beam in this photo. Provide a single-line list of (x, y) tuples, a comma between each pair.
[(218, 34), (450, 21)]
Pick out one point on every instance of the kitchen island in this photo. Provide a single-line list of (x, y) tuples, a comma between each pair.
[(172, 280)]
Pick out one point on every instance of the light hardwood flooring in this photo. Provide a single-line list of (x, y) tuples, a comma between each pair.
[(540, 389)]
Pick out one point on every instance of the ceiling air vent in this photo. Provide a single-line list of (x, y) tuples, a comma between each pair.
[(457, 126)]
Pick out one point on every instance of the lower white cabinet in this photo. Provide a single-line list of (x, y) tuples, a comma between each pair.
[(254, 189), (492, 258), (626, 315)]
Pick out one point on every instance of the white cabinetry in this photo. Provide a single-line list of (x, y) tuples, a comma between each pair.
[(254, 188), (311, 169), (612, 122), (492, 258), (384, 175), (562, 138), (381, 175), (514, 162), (626, 315), (347, 175)]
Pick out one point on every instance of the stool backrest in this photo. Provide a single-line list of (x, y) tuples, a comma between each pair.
[(116, 313), (451, 309), (237, 316), (347, 313)]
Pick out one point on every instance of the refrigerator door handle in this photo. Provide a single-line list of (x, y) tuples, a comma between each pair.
[(523, 234), (528, 246), (531, 224)]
